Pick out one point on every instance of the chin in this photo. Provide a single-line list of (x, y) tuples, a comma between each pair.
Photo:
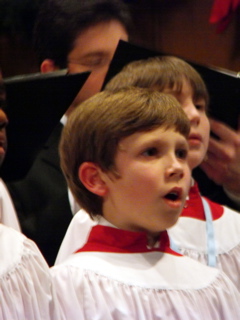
[(171, 222), (194, 161)]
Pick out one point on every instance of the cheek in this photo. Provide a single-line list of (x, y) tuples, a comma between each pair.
[(144, 180), (96, 79), (187, 176), (92, 86), (206, 132)]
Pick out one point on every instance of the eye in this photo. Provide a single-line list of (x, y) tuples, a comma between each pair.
[(150, 152), (92, 62), (200, 106), (182, 153)]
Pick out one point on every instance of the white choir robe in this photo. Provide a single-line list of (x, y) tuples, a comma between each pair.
[(190, 236), (8, 215), (116, 276), (76, 235), (26, 291)]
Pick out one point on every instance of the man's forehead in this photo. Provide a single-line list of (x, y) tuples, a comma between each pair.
[(100, 37)]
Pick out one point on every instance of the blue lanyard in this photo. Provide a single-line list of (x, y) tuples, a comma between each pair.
[(212, 258)]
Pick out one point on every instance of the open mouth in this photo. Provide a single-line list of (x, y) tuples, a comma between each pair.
[(174, 197)]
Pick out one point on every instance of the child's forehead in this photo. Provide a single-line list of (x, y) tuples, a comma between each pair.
[(156, 134), (181, 87)]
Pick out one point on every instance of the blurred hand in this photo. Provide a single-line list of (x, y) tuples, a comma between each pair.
[(222, 163)]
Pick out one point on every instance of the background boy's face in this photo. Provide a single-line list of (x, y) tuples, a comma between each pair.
[(200, 127), (154, 181), (93, 51), (3, 122)]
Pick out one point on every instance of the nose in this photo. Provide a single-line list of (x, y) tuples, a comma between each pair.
[(175, 169), (192, 113)]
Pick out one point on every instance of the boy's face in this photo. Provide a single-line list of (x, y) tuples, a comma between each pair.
[(3, 122), (93, 51), (200, 127), (154, 181)]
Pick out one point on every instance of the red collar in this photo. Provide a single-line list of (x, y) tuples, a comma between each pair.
[(194, 207), (108, 239)]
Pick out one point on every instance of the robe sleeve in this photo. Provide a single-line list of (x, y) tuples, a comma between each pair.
[(26, 290)]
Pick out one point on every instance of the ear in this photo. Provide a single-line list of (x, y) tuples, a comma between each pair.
[(48, 65), (91, 177)]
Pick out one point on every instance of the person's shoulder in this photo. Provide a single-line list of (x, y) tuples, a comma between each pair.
[(10, 239), (16, 250)]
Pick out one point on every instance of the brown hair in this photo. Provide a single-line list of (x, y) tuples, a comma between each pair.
[(96, 126), (160, 73)]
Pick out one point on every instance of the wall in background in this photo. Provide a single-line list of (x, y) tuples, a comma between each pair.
[(178, 27), (182, 28)]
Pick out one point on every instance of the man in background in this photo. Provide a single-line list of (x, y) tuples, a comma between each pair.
[(80, 36)]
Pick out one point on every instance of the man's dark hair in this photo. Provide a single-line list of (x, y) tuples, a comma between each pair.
[(60, 22)]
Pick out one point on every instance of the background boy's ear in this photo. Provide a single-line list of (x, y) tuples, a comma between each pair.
[(48, 65), (91, 177)]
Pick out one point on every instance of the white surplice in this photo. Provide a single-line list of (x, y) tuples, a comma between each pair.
[(26, 291), (117, 276), (76, 235), (8, 215), (190, 234)]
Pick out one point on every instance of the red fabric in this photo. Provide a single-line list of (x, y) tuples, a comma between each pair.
[(194, 207), (108, 239), (222, 13)]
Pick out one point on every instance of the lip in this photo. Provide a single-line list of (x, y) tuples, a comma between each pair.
[(194, 139), (174, 203)]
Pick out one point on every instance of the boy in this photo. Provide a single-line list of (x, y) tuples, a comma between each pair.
[(201, 231), (125, 159), (80, 36)]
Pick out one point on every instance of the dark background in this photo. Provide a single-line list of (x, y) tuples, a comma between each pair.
[(178, 27)]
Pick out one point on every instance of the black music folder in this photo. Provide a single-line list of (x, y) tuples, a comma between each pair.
[(223, 85), (35, 104)]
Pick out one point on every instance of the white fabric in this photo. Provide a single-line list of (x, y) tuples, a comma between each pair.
[(143, 286), (189, 234), (73, 203), (64, 119), (8, 215), (25, 282), (76, 235)]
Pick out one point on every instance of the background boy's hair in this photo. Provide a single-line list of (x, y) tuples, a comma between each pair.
[(160, 73), (96, 126), (59, 22)]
